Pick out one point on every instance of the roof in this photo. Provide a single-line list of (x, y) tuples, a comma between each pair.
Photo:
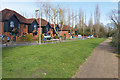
[(52, 25), (43, 22), (30, 20), (7, 13), (65, 27)]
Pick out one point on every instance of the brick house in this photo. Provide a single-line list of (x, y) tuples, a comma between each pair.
[(13, 24), (46, 27), (57, 29), (64, 30)]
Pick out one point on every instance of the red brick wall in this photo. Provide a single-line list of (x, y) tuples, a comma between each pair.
[(39, 31), (21, 29), (64, 32), (1, 28), (25, 30)]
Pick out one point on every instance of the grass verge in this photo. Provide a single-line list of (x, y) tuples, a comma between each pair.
[(60, 60)]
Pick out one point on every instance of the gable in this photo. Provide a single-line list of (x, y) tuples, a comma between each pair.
[(13, 18)]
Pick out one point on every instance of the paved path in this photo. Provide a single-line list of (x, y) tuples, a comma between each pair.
[(101, 64)]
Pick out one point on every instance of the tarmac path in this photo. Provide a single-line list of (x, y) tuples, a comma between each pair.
[(102, 63)]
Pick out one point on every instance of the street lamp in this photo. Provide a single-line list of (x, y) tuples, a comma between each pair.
[(39, 24)]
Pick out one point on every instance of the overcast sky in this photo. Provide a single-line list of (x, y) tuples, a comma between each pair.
[(29, 6)]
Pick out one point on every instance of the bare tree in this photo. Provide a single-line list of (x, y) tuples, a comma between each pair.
[(97, 20), (69, 17), (115, 16), (80, 21), (53, 12), (91, 24), (61, 17)]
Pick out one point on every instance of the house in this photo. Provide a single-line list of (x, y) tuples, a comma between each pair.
[(13, 24), (76, 31), (33, 27), (46, 27), (56, 28), (65, 30)]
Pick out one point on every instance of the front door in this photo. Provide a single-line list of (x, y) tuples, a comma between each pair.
[(14, 37)]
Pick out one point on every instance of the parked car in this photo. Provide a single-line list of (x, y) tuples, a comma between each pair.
[(47, 37), (91, 36), (79, 36), (2, 38), (88, 37)]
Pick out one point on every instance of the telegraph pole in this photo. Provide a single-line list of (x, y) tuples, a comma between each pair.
[(39, 25)]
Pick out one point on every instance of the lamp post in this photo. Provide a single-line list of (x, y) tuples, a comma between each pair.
[(39, 25)]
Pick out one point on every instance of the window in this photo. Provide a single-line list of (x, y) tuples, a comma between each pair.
[(24, 26), (35, 27), (12, 24), (47, 29), (57, 29), (18, 25)]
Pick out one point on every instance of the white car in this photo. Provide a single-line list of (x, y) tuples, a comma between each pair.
[(79, 36), (47, 37)]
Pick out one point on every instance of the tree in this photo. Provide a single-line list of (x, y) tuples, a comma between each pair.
[(97, 20), (53, 13), (80, 22), (115, 16), (91, 24)]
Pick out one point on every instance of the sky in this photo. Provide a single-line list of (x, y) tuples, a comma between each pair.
[(29, 7)]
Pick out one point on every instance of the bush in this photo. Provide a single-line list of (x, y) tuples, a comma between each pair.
[(42, 37), (65, 36), (26, 38), (55, 37)]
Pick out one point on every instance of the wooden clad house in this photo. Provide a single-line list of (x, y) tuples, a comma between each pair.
[(33, 27), (46, 27), (56, 27), (15, 25)]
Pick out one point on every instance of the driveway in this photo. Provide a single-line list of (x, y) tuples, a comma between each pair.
[(101, 64)]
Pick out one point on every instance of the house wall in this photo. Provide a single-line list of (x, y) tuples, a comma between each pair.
[(1, 28), (7, 27), (64, 32), (31, 26), (25, 30), (39, 31)]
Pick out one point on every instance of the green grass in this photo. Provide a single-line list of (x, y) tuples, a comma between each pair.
[(47, 61), (118, 55)]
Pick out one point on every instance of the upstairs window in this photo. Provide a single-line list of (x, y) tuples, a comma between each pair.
[(11, 24), (35, 27), (57, 29), (24, 26), (18, 25), (47, 28)]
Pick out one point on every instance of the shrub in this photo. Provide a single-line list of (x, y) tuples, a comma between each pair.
[(26, 38), (65, 36), (42, 37), (55, 37)]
